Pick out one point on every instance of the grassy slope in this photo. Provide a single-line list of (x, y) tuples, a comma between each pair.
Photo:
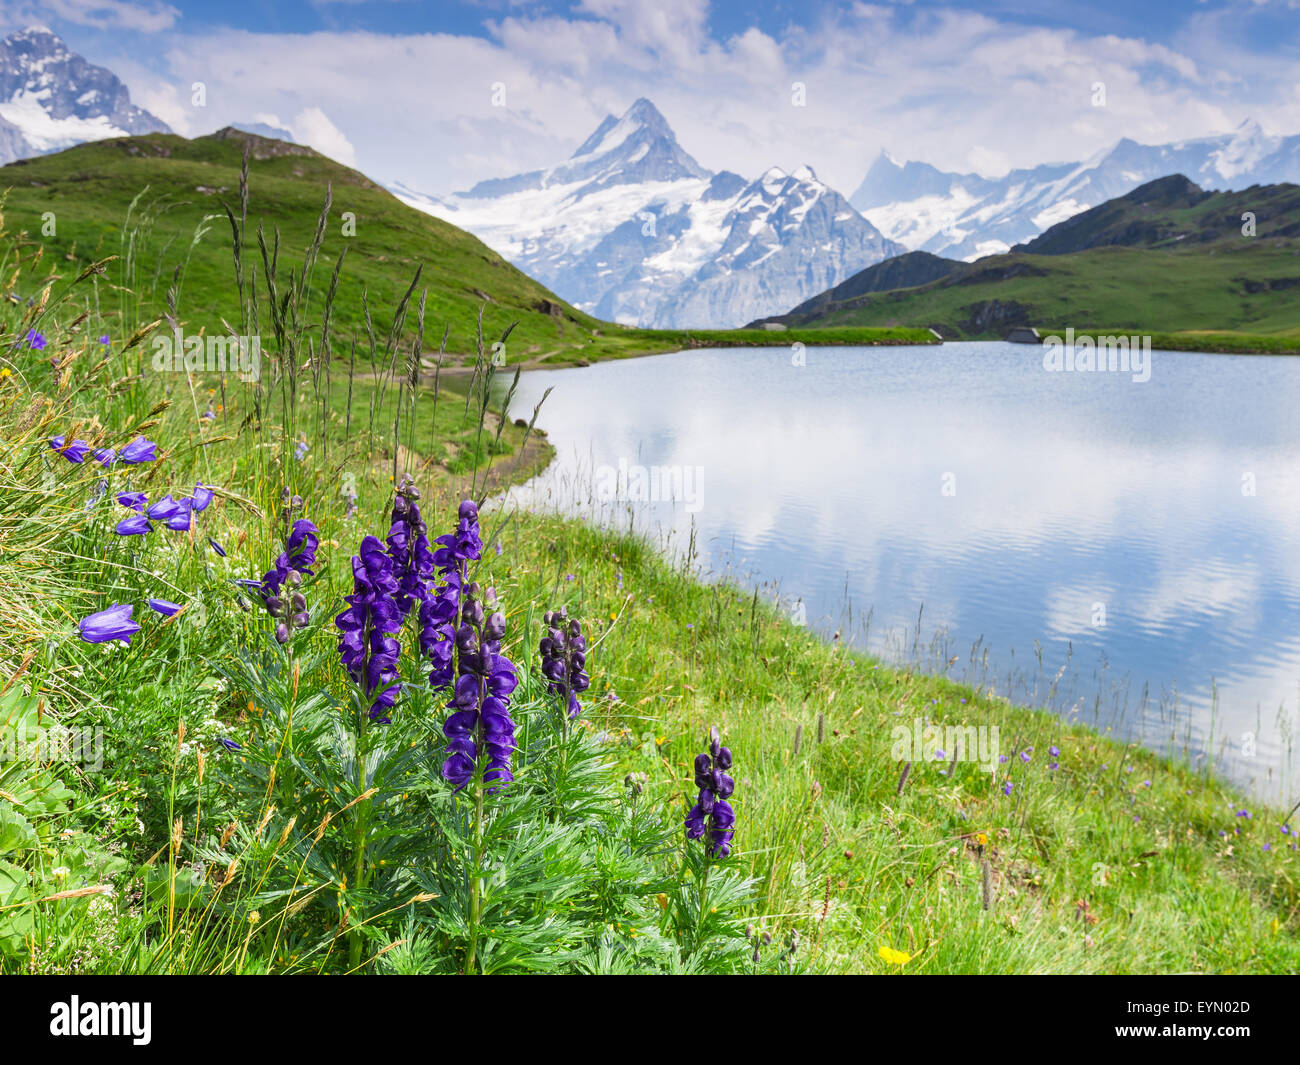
[(1107, 290), (1090, 867), (89, 189), (1166, 259), (1115, 862)]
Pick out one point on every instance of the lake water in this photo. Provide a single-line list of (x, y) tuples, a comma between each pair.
[(1139, 539)]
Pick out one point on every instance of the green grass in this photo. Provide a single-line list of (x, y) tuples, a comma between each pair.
[(1221, 341), (1117, 861), (1130, 290)]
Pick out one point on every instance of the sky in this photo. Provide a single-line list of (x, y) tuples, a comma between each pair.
[(441, 95)]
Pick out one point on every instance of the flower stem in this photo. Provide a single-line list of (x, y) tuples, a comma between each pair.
[(704, 906), (475, 881), (362, 822)]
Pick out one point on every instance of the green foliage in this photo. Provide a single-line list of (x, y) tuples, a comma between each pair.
[(179, 855)]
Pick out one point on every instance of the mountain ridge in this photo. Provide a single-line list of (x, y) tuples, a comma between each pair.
[(967, 215), (632, 229), (1168, 256)]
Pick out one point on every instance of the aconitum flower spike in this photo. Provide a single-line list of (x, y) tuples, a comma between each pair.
[(480, 721), (408, 546), (712, 815), (139, 450), (439, 614), (564, 659), (367, 644), (293, 563), (112, 624)]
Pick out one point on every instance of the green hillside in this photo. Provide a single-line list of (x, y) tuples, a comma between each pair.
[(1167, 259), (159, 203)]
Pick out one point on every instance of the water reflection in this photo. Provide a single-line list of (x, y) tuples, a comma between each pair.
[(1140, 534)]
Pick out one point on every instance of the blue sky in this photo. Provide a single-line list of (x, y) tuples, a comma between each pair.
[(407, 90)]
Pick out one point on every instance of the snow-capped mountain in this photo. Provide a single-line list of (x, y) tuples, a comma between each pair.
[(967, 216), (632, 229), (52, 98)]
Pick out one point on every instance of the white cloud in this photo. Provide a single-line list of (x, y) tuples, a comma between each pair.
[(313, 127), (955, 88), (112, 14)]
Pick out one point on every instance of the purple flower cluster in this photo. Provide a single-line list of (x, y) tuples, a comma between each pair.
[(280, 587), (368, 645), (408, 547), (440, 609), (480, 718), (137, 451), (712, 814), (174, 513), (564, 659)]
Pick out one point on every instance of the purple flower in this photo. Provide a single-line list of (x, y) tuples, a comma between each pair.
[(139, 450), (292, 564), (73, 452), (133, 500), (1243, 813), (104, 340), (35, 340), (298, 556), (480, 718), (175, 512), (231, 745), (712, 814), (112, 624), (1024, 756), (104, 456), (136, 525), (440, 611), (1055, 752), (564, 660), (165, 508), (408, 547), (163, 607), (368, 628), (217, 547), (1007, 788), (201, 499)]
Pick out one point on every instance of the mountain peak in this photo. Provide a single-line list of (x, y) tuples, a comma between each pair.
[(643, 111), (53, 98), (642, 117)]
